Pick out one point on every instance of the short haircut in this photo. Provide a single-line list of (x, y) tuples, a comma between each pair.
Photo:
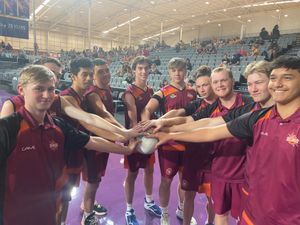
[(140, 60), (258, 67), (99, 62), (203, 71), (43, 61), (287, 62), (177, 63), (36, 74), (221, 69), (76, 64)]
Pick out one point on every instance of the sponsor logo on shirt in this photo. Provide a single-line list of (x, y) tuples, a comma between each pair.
[(53, 145), (28, 148), (172, 96), (264, 133), (190, 95), (292, 139)]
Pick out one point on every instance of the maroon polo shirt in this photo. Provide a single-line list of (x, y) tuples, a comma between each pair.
[(229, 155), (274, 178), (32, 159), (105, 95)]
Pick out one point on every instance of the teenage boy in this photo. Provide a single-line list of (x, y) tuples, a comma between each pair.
[(135, 99), (173, 96)]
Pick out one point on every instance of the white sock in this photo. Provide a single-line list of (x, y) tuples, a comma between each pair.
[(86, 214), (148, 198), (164, 210), (129, 206)]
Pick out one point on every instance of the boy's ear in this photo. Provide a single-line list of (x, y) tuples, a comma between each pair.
[(20, 90)]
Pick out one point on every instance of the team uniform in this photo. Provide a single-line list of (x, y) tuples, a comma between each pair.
[(228, 163), (196, 174), (171, 155), (137, 160), (274, 175), (96, 162), (32, 160)]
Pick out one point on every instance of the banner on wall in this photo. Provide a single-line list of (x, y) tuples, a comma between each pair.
[(1, 6), (23, 8), (10, 7), (13, 28)]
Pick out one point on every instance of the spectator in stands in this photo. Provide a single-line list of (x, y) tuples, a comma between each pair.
[(225, 60), (243, 52), (164, 83), (189, 66), (255, 50), (191, 84), (157, 61), (154, 69), (275, 32), (264, 35)]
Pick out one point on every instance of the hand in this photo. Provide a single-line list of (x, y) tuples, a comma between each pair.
[(161, 137), (158, 124), (134, 132), (132, 146)]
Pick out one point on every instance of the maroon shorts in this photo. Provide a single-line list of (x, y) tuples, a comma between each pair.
[(227, 197), (94, 166), (136, 161), (170, 162), (196, 166)]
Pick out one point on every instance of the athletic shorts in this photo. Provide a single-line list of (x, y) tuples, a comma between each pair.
[(137, 160), (227, 197), (170, 162), (94, 166)]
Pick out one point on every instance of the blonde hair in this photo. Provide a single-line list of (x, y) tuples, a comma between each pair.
[(221, 69), (35, 74), (177, 63), (258, 67)]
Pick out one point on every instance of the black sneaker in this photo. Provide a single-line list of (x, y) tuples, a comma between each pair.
[(90, 220), (99, 209)]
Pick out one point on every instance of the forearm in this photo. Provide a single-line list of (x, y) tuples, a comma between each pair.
[(206, 122), (174, 113), (209, 134), (102, 145), (168, 122), (104, 133)]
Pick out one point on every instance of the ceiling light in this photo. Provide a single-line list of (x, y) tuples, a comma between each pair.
[(219, 25), (208, 21), (207, 3), (125, 9), (239, 17), (193, 16), (99, 2), (120, 25), (277, 10), (158, 34), (249, 21), (224, 10), (152, 2), (39, 8), (286, 15), (174, 10)]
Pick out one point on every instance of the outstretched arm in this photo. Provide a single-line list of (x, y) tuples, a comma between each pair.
[(70, 108), (102, 145), (200, 135)]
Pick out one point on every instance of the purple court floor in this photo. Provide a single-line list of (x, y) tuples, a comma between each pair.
[(111, 194)]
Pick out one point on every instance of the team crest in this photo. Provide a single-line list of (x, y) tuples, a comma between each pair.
[(172, 96), (53, 145), (185, 183), (292, 139), (169, 171)]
